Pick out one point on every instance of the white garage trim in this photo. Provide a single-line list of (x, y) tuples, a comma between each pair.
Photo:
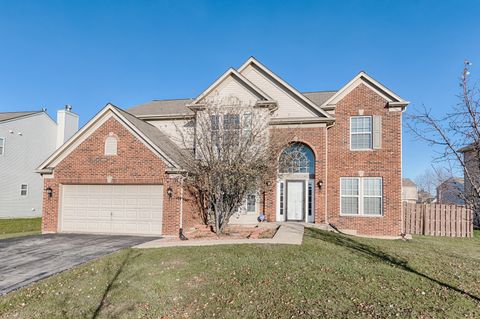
[(111, 209)]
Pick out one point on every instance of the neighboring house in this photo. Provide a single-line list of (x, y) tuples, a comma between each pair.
[(451, 191), (425, 197), (27, 139), (409, 191), (120, 174)]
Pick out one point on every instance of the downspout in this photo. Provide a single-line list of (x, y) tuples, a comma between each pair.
[(180, 230), (326, 172)]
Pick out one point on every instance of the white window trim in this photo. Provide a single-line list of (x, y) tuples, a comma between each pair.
[(360, 197), (2, 144), (26, 190), (371, 134)]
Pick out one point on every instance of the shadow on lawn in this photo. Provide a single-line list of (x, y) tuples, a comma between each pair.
[(109, 287), (375, 253)]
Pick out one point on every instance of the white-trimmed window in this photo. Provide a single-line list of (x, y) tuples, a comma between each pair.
[(24, 190), (361, 133), (281, 197), (361, 196), (251, 203), (310, 195), (247, 124), (2, 146), (111, 145)]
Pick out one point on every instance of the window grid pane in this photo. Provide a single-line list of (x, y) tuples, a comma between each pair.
[(350, 205), (349, 186), (372, 206), (361, 132)]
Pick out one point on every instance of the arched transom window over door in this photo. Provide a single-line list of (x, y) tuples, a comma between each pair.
[(297, 158)]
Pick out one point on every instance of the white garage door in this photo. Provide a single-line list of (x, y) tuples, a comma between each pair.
[(112, 209)]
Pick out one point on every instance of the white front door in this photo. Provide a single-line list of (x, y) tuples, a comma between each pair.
[(295, 200)]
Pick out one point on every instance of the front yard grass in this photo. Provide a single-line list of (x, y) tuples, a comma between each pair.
[(19, 227), (330, 275)]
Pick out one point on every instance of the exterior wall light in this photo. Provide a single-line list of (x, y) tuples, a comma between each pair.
[(49, 191), (320, 184), (169, 192)]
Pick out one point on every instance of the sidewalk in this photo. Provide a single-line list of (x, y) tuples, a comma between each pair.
[(287, 233)]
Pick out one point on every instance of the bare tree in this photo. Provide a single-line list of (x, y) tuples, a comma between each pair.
[(454, 134), (235, 153), (431, 178)]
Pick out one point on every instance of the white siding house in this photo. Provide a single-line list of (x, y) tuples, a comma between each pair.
[(27, 139)]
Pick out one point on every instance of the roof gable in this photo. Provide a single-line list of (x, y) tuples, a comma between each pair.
[(393, 99), (273, 84), (152, 137), (240, 83), (8, 116)]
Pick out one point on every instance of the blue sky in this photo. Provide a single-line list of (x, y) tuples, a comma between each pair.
[(88, 53)]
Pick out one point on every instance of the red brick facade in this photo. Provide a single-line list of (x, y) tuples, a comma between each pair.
[(342, 162), (137, 164), (133, 164), (385, 162)]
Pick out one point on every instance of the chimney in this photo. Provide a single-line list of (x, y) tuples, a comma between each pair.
[(67, 125)]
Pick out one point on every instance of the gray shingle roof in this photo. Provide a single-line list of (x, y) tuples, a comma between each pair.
[(178, 107), (162, 108), (408, 182), (158, 138), (319, 97), (5, 116)]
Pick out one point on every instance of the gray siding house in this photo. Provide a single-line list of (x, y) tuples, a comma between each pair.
[(27, 139)]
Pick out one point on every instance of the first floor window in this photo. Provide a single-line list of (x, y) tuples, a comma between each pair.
[(2, 145), (251, 203), (361, 196), (24, 190)]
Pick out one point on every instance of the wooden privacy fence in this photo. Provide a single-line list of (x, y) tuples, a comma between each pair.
[(437, 220)]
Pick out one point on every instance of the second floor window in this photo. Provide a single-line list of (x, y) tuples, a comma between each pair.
[(361, 133), (2, 146)]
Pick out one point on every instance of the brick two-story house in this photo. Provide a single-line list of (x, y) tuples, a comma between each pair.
[(120, 173)]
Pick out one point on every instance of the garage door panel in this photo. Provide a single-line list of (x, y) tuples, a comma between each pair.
[(116, 209)]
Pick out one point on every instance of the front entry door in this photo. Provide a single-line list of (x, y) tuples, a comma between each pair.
[(295, 200)]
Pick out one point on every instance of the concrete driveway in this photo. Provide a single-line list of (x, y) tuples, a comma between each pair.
[(24, 260)]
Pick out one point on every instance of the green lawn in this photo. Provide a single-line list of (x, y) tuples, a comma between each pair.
[(19, 227), (328, 276)]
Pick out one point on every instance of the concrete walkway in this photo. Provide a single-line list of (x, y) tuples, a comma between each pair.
[(288, 233)]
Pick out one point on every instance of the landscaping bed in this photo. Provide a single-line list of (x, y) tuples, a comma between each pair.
[(261, 230)]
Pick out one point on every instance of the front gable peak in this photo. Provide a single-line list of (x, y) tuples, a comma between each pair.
[(232, 83), (291, 102), (393, 100)]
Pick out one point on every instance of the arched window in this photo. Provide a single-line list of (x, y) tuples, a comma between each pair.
[(111, 145), (297, 158)]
